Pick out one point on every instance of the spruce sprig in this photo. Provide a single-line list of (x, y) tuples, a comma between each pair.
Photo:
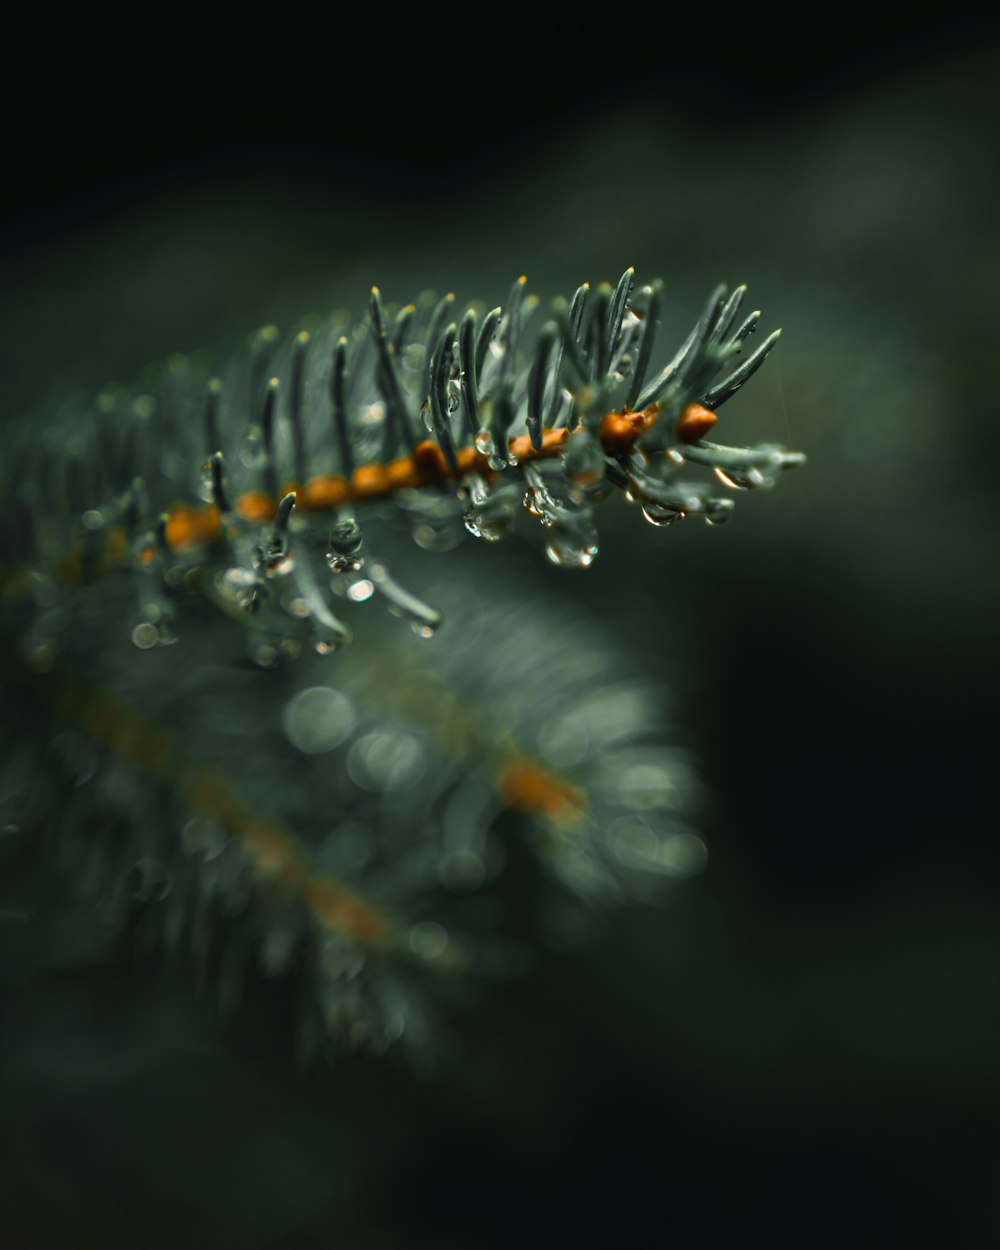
[(337, 823)]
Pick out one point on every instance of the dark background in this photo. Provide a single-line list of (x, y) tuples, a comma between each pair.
[(803, 1044)]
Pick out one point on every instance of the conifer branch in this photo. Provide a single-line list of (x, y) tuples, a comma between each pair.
[(324, 820)]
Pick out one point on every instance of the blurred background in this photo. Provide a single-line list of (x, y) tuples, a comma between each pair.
[(803, 1043)]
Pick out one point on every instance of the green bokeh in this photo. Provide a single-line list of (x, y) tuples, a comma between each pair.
[(813, 1025)]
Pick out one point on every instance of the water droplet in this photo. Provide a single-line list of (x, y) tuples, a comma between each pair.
[(235, 580), (423, 630), (719, 511), (489, 513), (325, 646), (570, 556), (532, 503), (345, 551), (743, 479), (145, 636), (427, 417), (362, 590), (573, 539), (92, 520), (583, 463), (658, 514), (149, 880), (572, 542), (318, 719), (540, 502), (484, 444)]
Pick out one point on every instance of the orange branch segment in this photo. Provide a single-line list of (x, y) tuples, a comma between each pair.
[(526, 787), (189, 526), (276, 853)]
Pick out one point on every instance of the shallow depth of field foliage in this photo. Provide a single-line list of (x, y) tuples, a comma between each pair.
[(806, 1035)]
